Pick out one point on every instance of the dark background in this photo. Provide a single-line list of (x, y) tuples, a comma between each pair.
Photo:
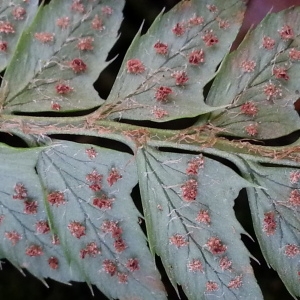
[(14, 286)]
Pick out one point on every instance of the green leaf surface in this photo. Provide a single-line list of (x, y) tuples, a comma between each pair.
[(14, 17), (165, 70), (66, 209), (83, 195), (21, 193), (188, 208), (276, 218), (61, 55), (259, 81)]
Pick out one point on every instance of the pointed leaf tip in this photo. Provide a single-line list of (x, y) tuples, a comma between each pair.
[(266, 66), (53, 67), (165, 70)]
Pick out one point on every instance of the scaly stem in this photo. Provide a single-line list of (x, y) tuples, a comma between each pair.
[(195, 138)]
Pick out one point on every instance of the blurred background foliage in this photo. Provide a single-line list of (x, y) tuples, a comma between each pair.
[(15, 286)]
